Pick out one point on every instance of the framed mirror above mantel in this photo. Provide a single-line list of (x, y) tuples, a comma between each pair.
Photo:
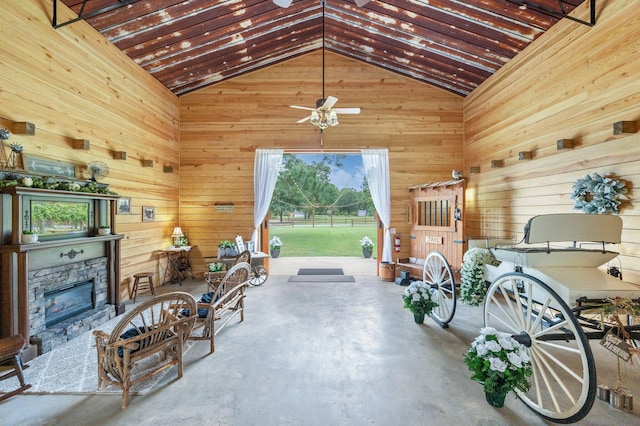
[(54, 215)]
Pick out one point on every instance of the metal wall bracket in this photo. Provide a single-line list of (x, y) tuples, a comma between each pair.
[(562, 13), (81, 17)]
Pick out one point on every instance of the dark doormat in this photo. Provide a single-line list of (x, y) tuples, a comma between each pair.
[(320, 271), (321, 279)]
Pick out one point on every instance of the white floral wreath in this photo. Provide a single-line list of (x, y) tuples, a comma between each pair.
[(597, 194)]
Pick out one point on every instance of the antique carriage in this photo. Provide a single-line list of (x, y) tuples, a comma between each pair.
[(551, 292)]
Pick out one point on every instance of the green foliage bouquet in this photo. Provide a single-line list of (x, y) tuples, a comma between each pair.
[(472, 287), (417, 298), (499, 362)]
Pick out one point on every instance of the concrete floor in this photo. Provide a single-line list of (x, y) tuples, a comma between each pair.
[(316, 354)]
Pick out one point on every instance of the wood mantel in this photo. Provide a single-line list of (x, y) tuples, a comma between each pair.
[(18, 259)]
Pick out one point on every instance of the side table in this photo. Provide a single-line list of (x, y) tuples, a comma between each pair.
[(178, 265)]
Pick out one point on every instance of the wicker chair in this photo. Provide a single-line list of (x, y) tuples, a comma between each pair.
[(221, 305), (153, 327), (215, 278)]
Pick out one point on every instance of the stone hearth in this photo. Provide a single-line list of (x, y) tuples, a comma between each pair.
[(45, 280)]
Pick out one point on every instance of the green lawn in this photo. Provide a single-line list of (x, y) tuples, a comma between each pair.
[(323, 241)]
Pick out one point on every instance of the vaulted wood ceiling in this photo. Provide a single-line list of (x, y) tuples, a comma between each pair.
[(452, 44)]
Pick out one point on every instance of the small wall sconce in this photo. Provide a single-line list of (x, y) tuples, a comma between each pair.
[(147, 163), (23, 128), (496, 164), (564, 144), (81, 144), (177, 234), (622, 127), (525, 155), (119, 155), (167, 169), (474, 169)]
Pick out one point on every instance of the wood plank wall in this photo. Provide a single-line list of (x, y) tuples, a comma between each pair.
[(574, 82), (72, 84), (222, 125)]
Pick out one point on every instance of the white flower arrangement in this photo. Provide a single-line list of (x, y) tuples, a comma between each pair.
[(366, 243), (417, 298), (27, 181), (473, 288), (499, 362), (275, 243), (594, 194)]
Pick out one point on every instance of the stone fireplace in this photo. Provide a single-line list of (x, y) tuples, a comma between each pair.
[(67, 300), (62, 285)]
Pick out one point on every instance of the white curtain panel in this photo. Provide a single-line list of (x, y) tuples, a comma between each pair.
[(376, 168), (266, 169)]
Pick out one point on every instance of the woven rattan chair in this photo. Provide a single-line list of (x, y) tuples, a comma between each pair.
[(156, 327), (218, 307)]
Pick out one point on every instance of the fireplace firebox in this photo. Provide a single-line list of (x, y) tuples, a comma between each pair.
[(66, 302)]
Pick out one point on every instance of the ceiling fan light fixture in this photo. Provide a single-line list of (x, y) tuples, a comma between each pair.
[(332, 120), (315, 118)]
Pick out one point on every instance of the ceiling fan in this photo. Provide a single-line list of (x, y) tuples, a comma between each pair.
[(287, 3), (324, 114)]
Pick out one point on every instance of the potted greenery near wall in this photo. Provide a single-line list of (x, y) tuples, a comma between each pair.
[(274, 247), (367, 247)]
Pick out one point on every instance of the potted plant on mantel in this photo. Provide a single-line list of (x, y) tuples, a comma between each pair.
[(29, 237), (367, 247), (274, 247), (500, 363), (104, 230)]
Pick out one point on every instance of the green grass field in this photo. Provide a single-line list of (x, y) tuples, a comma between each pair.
[(324, 240)]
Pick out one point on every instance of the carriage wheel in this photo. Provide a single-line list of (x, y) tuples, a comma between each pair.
[(563, 384), (259, 275), (437, 272)]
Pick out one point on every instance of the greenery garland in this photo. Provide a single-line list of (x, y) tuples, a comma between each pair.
[(473, 288), (597, 194)]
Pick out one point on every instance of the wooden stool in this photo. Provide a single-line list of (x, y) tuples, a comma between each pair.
[(11, 350), (137, 284)]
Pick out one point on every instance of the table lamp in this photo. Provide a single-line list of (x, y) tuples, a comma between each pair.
[(177, 234)]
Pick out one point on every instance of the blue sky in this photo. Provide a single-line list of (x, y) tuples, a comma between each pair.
[(349, 175)]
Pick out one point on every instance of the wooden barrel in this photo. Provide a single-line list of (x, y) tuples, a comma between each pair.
[(387, 271)]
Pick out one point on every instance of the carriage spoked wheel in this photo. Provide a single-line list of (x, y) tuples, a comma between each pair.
[(438, 273), (563, 384), (259, 275)]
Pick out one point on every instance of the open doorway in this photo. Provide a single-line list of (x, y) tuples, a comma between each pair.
[(322, 207)]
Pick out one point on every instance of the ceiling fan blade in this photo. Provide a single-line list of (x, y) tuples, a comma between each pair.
[(359, 3), (347, 110), (301, 107), (287, 3), (329, 102), (303, 120)]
